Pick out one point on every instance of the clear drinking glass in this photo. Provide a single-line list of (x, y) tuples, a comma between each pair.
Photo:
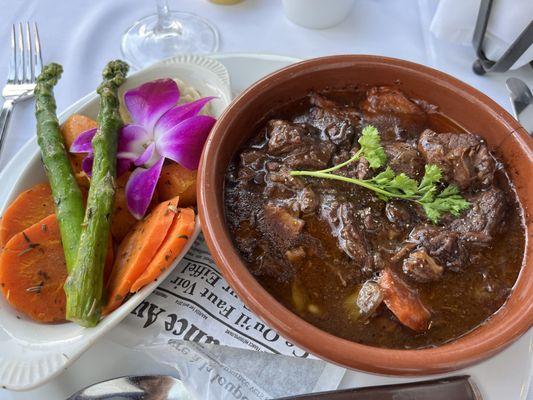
[(166, 34)]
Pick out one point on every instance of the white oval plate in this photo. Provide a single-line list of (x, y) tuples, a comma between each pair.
[(32, 353)]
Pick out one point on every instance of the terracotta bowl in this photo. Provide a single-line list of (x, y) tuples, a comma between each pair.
[(460, 102)]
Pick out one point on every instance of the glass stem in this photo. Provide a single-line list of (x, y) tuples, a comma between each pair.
[(164, 20)]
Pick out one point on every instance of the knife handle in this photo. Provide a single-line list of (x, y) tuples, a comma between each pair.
[(456, 388)]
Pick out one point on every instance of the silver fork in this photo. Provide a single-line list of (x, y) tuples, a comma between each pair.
[(25, 65)]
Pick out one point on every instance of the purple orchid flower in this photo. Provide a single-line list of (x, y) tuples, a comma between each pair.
[(160, 129)]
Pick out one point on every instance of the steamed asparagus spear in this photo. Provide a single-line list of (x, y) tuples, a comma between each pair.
[(65, 190), (84, 284)]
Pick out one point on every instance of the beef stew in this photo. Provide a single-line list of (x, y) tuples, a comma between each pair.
[(376, 272)]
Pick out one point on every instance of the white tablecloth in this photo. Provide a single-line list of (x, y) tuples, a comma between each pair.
[(82, 35)]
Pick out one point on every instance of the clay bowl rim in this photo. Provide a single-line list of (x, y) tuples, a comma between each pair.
[(488, 339)]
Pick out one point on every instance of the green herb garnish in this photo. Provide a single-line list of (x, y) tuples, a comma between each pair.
[(370, 149), (388, 185)]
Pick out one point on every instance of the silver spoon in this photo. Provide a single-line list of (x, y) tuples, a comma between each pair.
[(147, 387)]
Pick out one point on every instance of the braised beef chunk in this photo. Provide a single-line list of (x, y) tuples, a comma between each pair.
[(284, 137), (484, 217), (360, 169), (463, 158), (251, 163), (445, 246), (312, 155), (279, 183), (403, 157), (281, 226), (375, 271), (372, 220), (300, 146), (398, 213), (281, 230), (395, 116), (307, 200), (280, 174), (335, 111), (335, 120), (451, 244), (388, 100), (421, 267), (341, 133), (342, 220), (351, 239)]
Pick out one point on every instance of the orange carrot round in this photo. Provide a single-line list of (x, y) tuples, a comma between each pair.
[(27, 209), (33, 271), (121, 221), (176, 180)]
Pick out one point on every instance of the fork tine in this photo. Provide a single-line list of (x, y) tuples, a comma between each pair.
[(21, 60), (38, 55), (12, 74), (29, 48)]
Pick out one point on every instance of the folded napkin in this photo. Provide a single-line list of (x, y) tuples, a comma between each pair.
[(455, 21)]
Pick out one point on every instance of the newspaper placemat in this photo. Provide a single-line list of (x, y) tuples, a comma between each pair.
[(194, 318), (226, 373)]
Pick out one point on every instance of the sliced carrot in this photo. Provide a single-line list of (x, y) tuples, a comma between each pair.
[(176, 180), (137, 250), (28, 208), (403, 302), (33, 272), (71, 129), (179, 233)]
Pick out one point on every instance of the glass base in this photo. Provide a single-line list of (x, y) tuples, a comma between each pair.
[(150, 40)]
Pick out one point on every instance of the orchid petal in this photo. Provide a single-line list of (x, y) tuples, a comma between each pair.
[(178, 114), (184, 142), (123, 164), (147, 155), (132, 141), (83, 143), (140, 188), (148, 102), (87, 164)]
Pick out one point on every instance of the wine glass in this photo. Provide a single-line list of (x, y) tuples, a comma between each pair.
[(166, 34)]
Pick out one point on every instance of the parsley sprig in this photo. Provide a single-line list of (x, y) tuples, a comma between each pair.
[(388, 185)]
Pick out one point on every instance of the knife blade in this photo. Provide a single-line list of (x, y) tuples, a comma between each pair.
[(456, 388), (522, 102)]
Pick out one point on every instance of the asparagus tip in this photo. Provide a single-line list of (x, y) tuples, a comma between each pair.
[(50, 74), (115, 71)]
